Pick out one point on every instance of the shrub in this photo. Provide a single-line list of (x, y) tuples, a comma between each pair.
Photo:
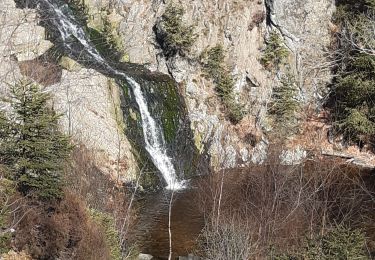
[(59, 230), (7, 191), (107, 39), (355, 125), (112, 239), (284, 105), (338, 243), (257, 19), (275, 53), (213, 64), (173, 36), (279, 206), (111, 35), (228, 240)]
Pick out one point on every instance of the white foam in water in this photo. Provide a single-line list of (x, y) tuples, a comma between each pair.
[(153, 134)]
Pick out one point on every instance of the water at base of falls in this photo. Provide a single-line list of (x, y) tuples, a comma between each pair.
[(155, 144)]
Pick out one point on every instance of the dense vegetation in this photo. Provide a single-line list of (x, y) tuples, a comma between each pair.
[(103, 33), (353, 90), (317, 210), (39, 213), (284, 106)]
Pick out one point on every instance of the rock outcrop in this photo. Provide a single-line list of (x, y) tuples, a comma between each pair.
[(90, 101)]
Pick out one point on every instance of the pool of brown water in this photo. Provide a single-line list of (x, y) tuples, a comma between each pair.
[(151, 233)]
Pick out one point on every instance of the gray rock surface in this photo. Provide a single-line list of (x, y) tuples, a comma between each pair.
[(90, 103), (305, 25)]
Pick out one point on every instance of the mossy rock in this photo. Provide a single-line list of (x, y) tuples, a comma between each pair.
[(198, 142), (69, 64), (169, 111)]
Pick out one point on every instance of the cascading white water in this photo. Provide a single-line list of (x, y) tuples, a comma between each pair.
[(153, 134), (155, 144)]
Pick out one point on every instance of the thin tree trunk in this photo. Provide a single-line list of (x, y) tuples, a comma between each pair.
[(169, 225)]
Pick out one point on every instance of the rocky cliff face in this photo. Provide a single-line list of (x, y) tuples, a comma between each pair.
[(306, 27), (90, 101), (235, 25)]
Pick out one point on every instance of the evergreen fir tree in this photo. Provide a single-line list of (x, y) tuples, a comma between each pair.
[(31, 145), (353, 90)]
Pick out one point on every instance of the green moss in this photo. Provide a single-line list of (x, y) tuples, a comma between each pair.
[(112, 238), (149, 179), (170, 114)]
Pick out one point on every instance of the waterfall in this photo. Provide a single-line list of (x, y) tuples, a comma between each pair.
[(67, 26)]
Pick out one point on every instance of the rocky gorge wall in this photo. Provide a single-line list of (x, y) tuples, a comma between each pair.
[(90, 101), (305, 27)]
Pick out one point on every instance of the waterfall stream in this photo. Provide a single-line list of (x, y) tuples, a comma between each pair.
[(155, 144)]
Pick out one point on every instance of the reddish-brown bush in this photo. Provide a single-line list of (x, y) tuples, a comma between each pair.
[(59, 230)]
